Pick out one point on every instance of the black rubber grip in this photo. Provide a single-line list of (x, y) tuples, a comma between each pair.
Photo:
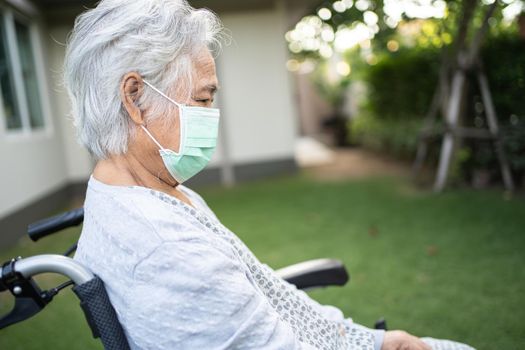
[(318, 273), (101, 315), (54, 224)]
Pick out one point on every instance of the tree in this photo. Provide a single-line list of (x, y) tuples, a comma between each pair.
[(368, 29), (336, 31)]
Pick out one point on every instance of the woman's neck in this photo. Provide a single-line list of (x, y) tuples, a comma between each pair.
[(129, 171)]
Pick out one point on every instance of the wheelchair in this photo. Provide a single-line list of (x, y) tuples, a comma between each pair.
[(16, 276)]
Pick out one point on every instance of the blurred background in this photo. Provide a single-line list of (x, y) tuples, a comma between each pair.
[(388, 134)]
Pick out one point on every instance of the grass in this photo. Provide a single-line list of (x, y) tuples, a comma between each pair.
[(447, 266)]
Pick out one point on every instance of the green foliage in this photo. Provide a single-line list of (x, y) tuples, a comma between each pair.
[(400, 90), (332, 90), (504, 61), (514, 141), (399, 138), (401, 87), (402, 84)]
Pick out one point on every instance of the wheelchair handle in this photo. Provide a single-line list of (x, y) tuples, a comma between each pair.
[(16, 276), (62, 265), (54, 224)]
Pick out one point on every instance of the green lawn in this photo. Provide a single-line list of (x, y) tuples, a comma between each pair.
[(448, 266)]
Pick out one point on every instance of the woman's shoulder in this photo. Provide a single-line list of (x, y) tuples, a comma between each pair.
[(126, 226), (138, 214)]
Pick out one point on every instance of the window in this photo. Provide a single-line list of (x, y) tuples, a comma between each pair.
[(20, 99), (11, 113)]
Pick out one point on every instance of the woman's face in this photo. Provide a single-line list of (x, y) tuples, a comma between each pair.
[(166, 129), (204, 86)]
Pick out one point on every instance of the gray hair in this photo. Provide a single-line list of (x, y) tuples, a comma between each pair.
[(156, 38)]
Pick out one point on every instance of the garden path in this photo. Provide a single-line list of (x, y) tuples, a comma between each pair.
[(355, 163)]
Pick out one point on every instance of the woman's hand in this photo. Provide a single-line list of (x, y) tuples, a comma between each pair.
[(400, 340)]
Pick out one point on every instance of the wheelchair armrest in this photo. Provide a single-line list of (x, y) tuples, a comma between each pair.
[(315, 273)]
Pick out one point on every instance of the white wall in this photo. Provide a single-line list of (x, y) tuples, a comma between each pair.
[(31, 167), (256, 96), (77, 160)]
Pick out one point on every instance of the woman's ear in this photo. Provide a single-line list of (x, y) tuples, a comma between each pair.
[(131, 89)]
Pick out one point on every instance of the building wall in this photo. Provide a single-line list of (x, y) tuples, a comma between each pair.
[(32, 165), (78, 163), (256, 99)]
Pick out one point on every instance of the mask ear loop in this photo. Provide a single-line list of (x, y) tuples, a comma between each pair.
[(161, 148), (151, 137), (182, 125), (162, 94)]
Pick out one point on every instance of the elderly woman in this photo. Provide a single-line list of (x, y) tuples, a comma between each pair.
[(142, 81)]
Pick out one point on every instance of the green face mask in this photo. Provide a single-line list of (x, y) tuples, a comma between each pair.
[(199, 128)]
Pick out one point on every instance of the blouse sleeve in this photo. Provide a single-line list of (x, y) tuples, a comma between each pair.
[(192, 295), (332, 313), (335, 314)]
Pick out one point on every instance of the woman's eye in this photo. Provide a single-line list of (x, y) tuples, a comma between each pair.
[(204, 100)]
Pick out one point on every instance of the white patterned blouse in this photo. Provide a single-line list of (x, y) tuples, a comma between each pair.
[(179, 279)]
